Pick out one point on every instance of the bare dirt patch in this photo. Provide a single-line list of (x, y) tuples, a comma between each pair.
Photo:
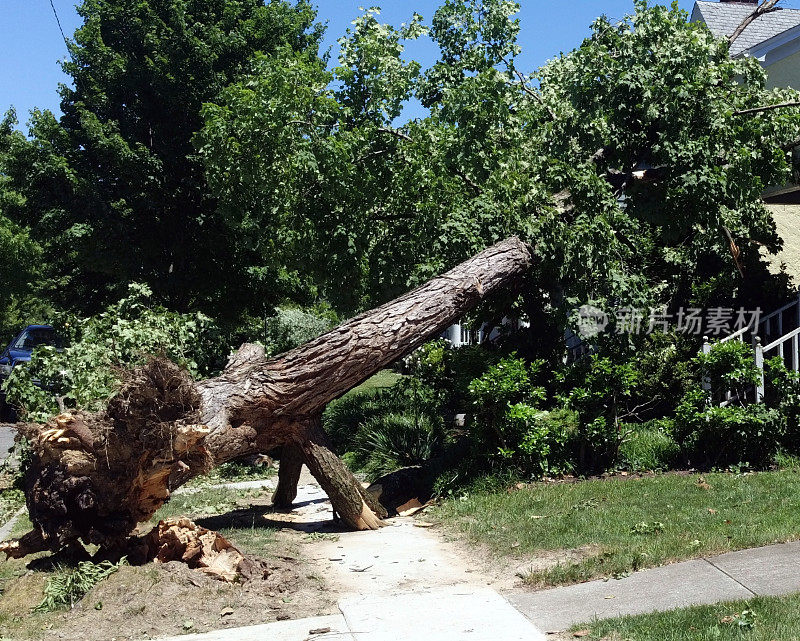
[(157, 600), (161, 600)]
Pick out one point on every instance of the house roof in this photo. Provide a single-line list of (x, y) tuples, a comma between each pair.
[(723, 18)]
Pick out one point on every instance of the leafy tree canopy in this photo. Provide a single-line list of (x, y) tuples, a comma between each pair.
[(624, 162)]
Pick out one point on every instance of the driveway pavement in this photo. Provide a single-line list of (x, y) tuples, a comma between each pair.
[(7, 434)]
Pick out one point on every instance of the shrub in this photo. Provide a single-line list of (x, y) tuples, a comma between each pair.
[(782, 388), (601, 401), (543, 439), (87, 373), (343, 417), (465, 364), (292, 327), (667, 371), (721, 436), (650, 447), (507, 383), (389, 442), (729, 367), (449, 372)]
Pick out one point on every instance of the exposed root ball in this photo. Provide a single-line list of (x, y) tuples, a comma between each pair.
[(94, 477)]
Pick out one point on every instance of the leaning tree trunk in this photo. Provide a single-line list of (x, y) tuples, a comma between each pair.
[(95, 476)]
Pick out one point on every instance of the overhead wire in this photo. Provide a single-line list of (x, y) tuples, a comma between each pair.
[(60, 28)]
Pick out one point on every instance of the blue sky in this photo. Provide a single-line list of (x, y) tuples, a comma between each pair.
[(31, 44)]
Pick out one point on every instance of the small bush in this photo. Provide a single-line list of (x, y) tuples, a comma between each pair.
[(292, 327), (69, 585), (601, 400), (650, 447), (389, 442), (712, 436), (504, 385), (543, 439), (729, 367), (783, 393)]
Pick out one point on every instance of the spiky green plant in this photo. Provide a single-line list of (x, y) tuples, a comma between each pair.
[(396, 440), (68, 585)]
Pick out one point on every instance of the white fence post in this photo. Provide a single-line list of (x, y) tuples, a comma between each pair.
[(759, 359), (454, 334), (706, 350)]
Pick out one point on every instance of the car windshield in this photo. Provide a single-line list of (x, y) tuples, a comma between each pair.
[(31, 338)]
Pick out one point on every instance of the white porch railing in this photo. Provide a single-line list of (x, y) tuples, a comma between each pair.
[(786, 346), (461, 335)]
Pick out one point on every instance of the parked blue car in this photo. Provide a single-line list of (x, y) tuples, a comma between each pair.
[(19, 351)]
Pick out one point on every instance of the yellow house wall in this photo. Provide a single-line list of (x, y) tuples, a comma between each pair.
[(784, 73), (787, 221)]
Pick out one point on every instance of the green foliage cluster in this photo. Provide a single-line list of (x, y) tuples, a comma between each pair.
[(290, 327), (599, 401), (650, 447), (391, 441), (509, 419), (69, 585), (379, 430), (88, 372)]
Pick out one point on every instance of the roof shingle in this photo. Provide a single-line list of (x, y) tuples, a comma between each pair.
[(723, 18)]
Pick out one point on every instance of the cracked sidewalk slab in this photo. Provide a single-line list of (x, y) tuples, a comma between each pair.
[(297, 630)]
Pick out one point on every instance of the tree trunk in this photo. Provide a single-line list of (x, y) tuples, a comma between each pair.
[(288, 476), (95, 476)]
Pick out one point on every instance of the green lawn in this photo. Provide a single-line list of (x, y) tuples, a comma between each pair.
[(627, 524), (760, 619), (384, 379), (10, 501)]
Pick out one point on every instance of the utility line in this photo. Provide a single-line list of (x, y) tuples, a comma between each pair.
[(60, 28)]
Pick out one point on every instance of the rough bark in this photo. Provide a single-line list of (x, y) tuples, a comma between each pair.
[(288, 476), (94, 477)]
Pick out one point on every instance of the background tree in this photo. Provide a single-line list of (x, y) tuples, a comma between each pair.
[(112, 189), (21, 264)]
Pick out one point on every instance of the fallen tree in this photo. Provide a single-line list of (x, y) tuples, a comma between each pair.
[(94, 477)]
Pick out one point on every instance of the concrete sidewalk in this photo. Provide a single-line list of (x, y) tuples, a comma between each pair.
[(455, 614), (334, 626), (411, 605), (773, 570)]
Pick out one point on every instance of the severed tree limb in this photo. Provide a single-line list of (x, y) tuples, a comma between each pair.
[(94, 477), (359, 509), (756, 110), (767, 6)]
